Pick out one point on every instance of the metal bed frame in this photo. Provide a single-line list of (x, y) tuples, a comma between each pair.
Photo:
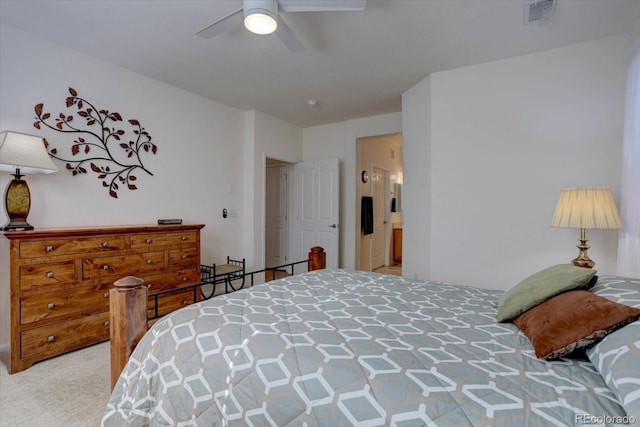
[(223, 273), (129, 303)]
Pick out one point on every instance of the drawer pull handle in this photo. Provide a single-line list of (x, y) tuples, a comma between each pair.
[(106, 323), (185, 302), (106, 295), (50, 306), (105, 244), (49, 248), (184, 279), (50, 274), (149, 261), (105, 267), (149, 286), (149, 240), (184, 238), (51, 338), (184, 257)]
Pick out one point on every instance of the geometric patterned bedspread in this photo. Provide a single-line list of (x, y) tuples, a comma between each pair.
[(342, 348)]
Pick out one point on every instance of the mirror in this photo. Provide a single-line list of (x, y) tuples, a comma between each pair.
[(397, 196)]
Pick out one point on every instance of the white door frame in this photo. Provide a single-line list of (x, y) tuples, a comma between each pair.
[(283, 202), (289, 163)]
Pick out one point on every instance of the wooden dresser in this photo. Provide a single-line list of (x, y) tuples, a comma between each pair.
[(54, 283)]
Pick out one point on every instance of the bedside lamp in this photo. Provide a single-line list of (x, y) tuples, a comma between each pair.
[(586, 208), (21, 153)]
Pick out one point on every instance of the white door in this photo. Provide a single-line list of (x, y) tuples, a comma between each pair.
[(317, 208), (379, 203), (275, 251)]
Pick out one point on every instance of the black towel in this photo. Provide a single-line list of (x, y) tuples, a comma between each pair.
[(366, 215)]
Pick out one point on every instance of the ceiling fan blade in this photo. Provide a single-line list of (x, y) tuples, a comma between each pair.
[(286, 36), (320, 5), (232, 20)]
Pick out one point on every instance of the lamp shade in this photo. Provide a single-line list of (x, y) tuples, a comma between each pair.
[(260, 16), (586, 208), (26, 152)]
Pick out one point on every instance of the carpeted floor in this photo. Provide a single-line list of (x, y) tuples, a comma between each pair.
[(66, 391), (395, 270)]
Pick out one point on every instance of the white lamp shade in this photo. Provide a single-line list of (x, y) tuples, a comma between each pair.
[(27, 152), (260, 16), (586, 208)]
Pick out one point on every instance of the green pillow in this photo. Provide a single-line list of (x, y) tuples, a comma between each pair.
[(541, 286)]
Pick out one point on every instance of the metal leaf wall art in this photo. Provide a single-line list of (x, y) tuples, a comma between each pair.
[(101, 145)]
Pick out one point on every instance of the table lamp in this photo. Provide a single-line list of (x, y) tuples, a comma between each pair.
[(586, 208), (21, 154)]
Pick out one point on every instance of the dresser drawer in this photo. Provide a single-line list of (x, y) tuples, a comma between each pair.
[(62, 337), (165, 239), (124, 265), (165, 281), (37, 276), (184, 258), (54, 247), (173, 301), (63, 303)]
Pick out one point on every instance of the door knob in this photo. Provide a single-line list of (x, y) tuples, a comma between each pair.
[(333, 226)]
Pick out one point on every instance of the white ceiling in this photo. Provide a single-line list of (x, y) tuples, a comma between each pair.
[(356, 64)]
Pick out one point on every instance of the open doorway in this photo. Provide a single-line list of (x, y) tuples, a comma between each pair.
[(276, 250), (380, 177), (302, 208)]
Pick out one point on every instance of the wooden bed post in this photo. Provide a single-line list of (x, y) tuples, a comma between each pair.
[(128, 305), (128, 320), (318, 258)]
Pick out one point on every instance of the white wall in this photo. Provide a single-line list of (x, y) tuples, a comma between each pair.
[(266, 136), (499, 142), (464, 131), (416, 197), (200, 166), (339, 140)]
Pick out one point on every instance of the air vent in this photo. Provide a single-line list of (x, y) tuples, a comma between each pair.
[(538, 11)]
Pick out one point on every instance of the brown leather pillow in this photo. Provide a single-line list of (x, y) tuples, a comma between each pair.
[(571, 321)]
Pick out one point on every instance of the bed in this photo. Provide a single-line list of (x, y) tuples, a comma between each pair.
[(341, 348)]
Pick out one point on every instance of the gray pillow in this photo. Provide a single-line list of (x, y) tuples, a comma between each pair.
[(541, 286), (616, 357)]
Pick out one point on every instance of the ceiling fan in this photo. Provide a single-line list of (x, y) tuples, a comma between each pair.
[(261, 17)]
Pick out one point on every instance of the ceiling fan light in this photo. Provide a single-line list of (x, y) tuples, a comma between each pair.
[(260, 16), (260, 22)]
